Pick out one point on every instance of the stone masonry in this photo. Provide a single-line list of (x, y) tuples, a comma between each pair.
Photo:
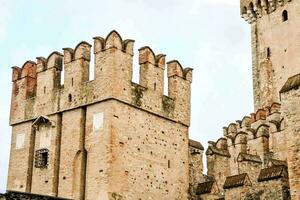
[(113, 139)]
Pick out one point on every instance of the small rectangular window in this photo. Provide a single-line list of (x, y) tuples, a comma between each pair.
[(41, 158)]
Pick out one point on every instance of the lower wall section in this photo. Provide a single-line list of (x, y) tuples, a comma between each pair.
[(108, 150), (20, 163)]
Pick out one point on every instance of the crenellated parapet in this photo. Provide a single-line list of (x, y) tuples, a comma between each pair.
[(253, 124), (251, 10), (113, 61), (252, 141), (249, 146)]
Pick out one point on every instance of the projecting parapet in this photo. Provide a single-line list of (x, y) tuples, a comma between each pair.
[(249, 144), (251, 10)]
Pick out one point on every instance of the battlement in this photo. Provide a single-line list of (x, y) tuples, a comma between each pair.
[(254, 136), (37, 86), (255, 125), (251, 10)]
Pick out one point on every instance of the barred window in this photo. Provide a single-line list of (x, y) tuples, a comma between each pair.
[(41, 158)]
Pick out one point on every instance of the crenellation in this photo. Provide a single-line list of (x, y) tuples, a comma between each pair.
[(76, 75), (152, 71), (24, 80), (232, 129), (28, 69), (24, 89), (113, 74), (113, 68), (47, 94), (239, 124), (275, 108), (83, 51), (113, 40), (246, 122), (68, 55), (255, 143), (251, 143), (222, 143), (241, 139), (54, 60), (16, 73), (260, 114), (252, 10)]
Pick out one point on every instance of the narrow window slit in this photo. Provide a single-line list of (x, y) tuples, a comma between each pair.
[(285, 15), (70, 97)]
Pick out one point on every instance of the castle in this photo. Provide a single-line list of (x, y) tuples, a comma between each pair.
[(113, 139)]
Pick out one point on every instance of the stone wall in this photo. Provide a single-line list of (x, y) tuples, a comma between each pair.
[(271, 190), (195, 167), (291, 111)]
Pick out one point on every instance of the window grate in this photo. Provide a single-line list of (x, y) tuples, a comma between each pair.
[(41, 158)]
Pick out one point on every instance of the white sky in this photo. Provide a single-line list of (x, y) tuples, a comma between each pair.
[(207, 35)]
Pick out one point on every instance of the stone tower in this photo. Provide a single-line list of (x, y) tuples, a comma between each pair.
[(275, 41), (275, 35), (107, 138), (258, 157)]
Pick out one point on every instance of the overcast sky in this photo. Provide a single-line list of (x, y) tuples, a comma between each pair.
[(207, 35)]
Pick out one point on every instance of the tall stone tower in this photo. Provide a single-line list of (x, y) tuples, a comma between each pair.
[(275, 35), (275, 45), (107, 138)]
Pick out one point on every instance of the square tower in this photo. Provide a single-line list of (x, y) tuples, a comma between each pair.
[(107, 138)]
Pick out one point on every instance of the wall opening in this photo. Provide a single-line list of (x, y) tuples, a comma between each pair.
[(268, 52), (258, 4), (285, 15), (251, 7), (244, 10), (136, 68), (62, 74), (70, 97), (41, 158), (166, 83), (44, 158), (92, 67)]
